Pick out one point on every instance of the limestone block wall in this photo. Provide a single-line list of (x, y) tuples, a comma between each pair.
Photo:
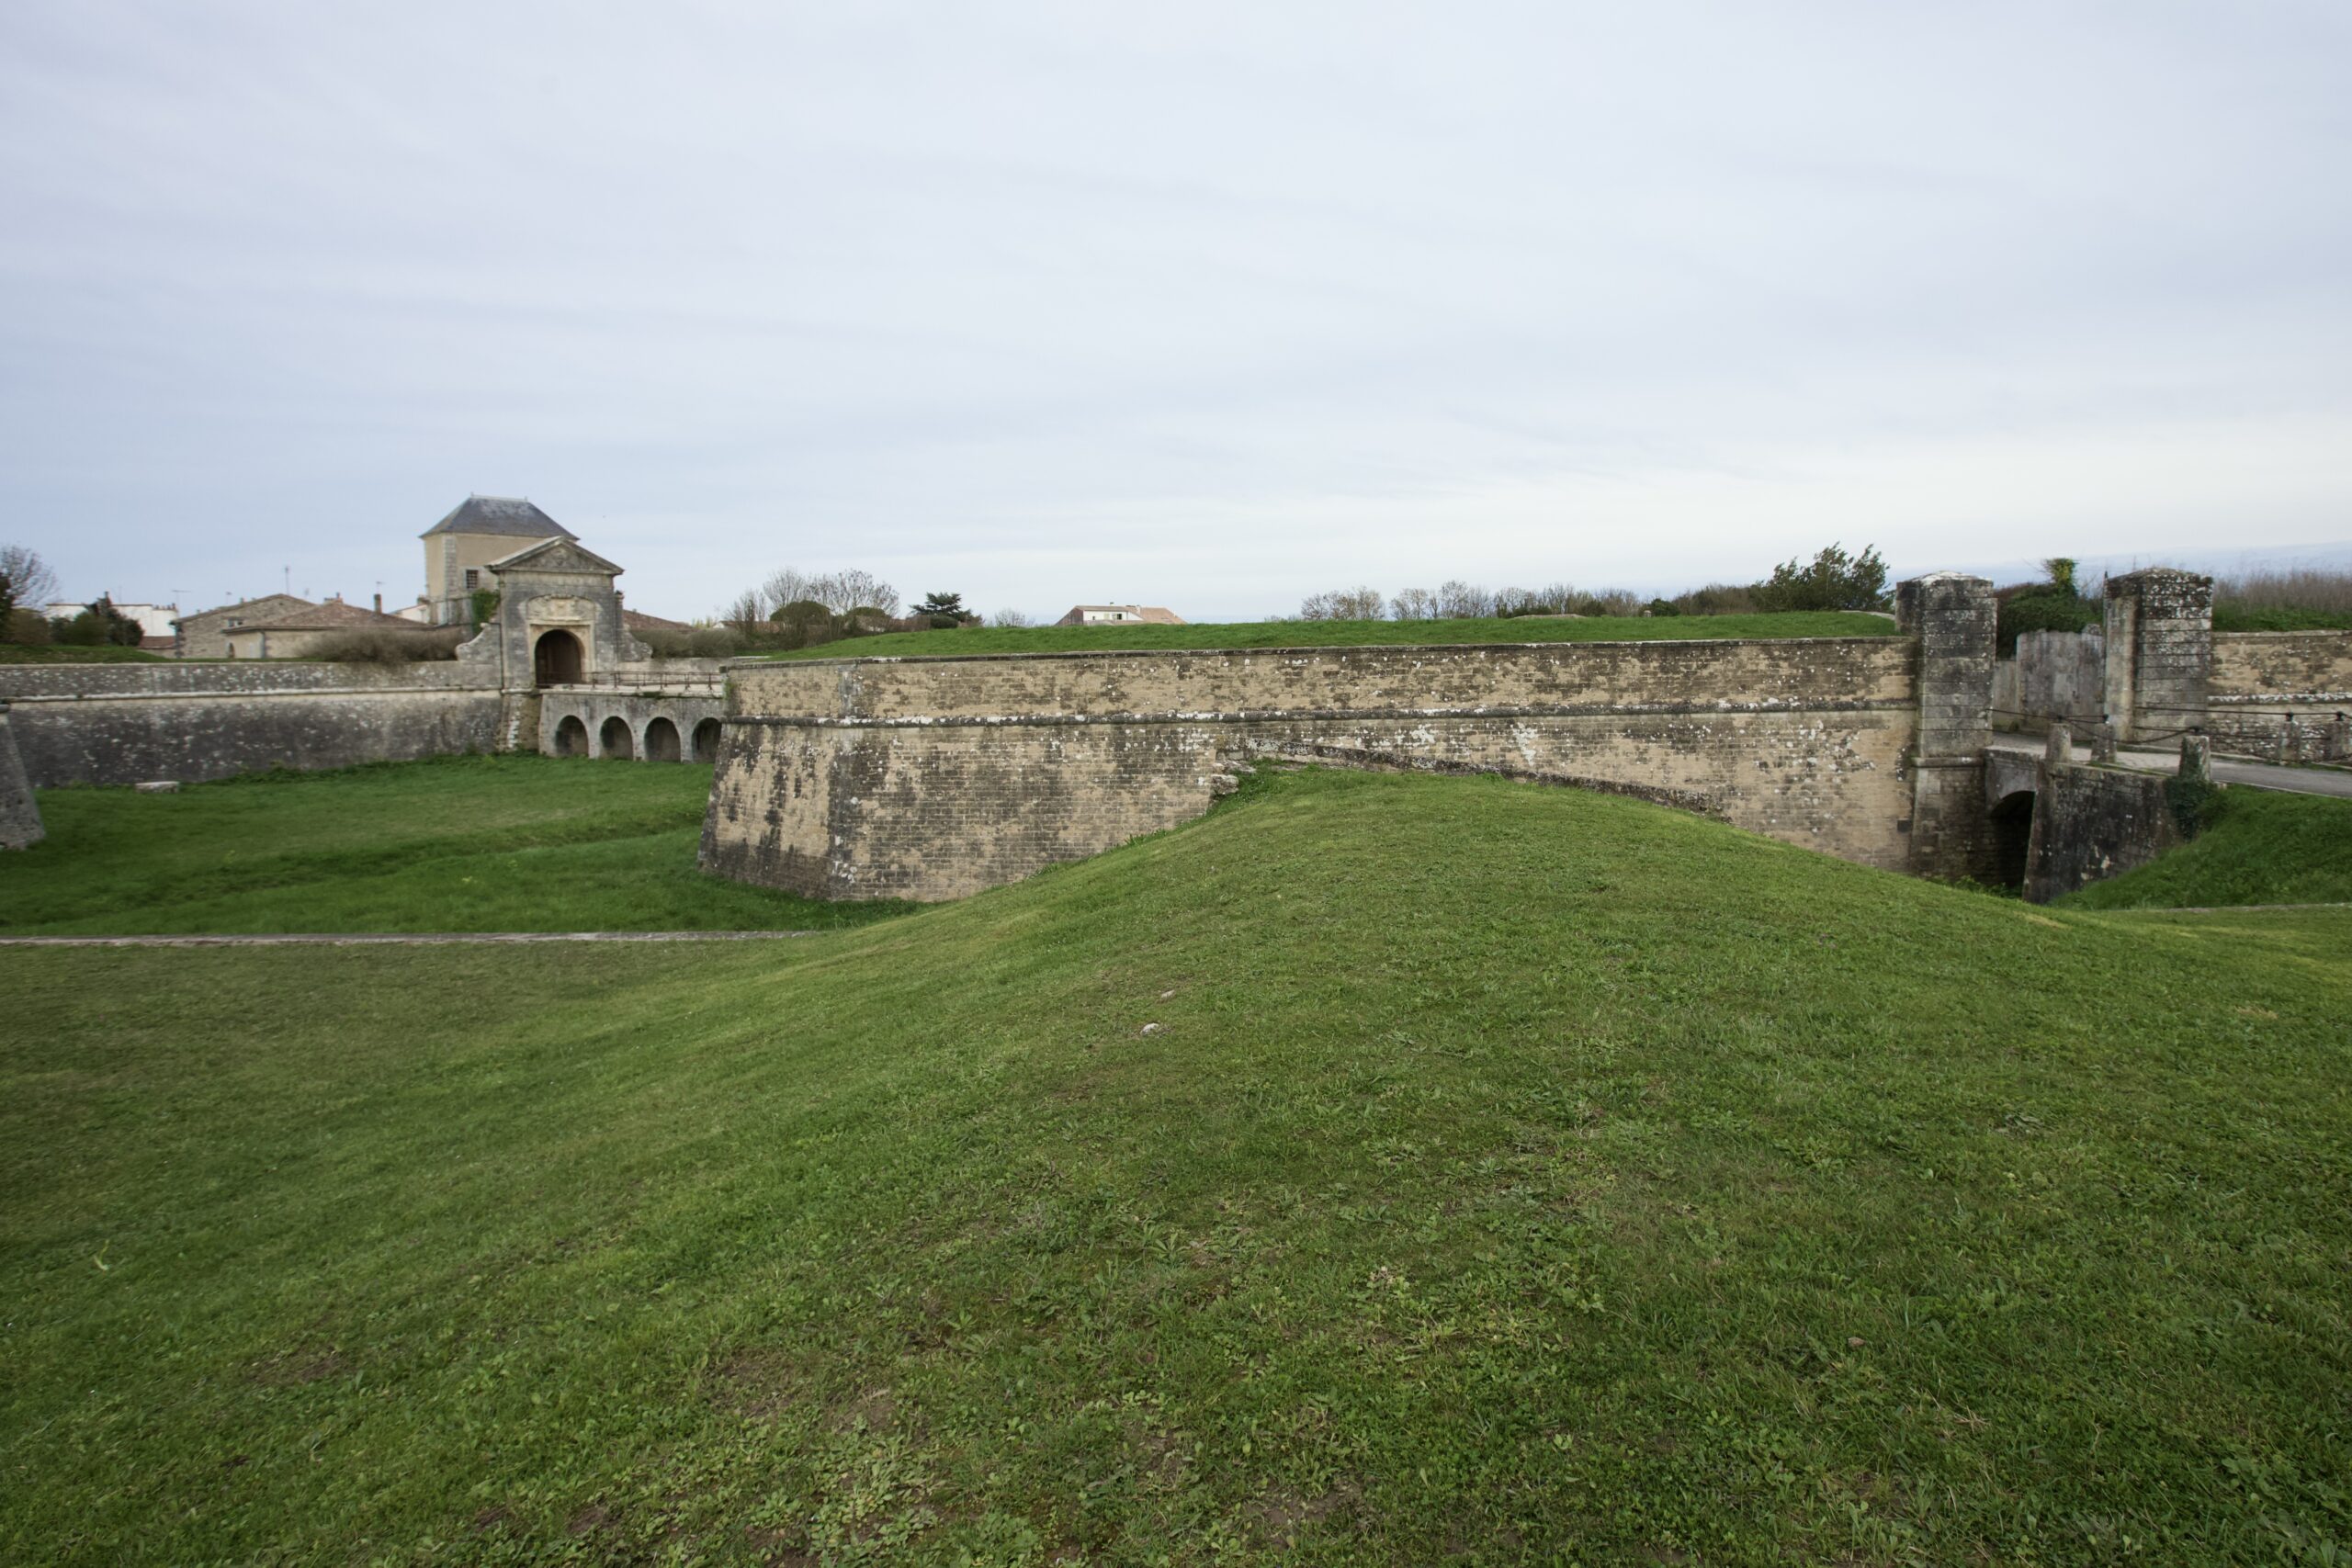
[(931, 778), (2061, 678), (109, 723), (2159, 653), (1954, 618), (2273, 692)]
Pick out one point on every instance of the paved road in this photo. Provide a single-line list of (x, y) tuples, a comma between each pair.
[(2260, 775), (393, 939)]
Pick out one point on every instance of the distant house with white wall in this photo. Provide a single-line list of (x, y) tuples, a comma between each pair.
[(1120, 616), (460, 548), (155, 621)]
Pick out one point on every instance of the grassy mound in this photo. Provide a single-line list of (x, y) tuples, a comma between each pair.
[(2258, 846), (1382, 1168), (519, 844), (60, 653), (1347, 634)]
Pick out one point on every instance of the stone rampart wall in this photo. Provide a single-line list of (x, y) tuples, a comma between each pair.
[(109, 724), (2281, 694), (931, 778)]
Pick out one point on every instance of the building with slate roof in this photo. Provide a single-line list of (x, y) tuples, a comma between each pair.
[(297, 634), (205, 635), (459, 550)]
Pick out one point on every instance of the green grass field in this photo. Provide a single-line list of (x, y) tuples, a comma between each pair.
[(1383, 1169), (515, 844), (55, 653), (2240, 618), (2259, 847), (1346, 634)]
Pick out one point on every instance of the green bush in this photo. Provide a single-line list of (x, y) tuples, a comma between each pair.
[(1833, 580), (2043, 607)]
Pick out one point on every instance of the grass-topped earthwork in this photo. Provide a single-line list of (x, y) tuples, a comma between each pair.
[(2257, 847), (1383, 1169), (513, 843), (1346, 634), (61, 653)]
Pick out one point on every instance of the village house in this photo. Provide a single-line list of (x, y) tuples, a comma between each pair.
[(298, 634), (205, 635), (1120, 616)]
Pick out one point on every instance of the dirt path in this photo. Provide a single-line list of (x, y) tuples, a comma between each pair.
[(395, 938)]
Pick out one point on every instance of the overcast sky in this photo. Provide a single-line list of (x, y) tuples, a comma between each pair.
[(1205, 304)]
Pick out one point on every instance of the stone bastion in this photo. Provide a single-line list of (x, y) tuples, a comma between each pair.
[(931, 778)]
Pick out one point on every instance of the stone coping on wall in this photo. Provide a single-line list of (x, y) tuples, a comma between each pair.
[(1391, 649), (235, 678), (1725, 708)]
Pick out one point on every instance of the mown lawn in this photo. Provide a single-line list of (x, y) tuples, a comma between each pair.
[(1346, 634), (2258, 847), (1383, 1169), (516, 843)]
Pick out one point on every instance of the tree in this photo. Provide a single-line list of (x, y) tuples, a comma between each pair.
[(1414, 604), (26, 581), (1835, 580), (1013, 618), (1460, 601), (936, 605), (99, 625)]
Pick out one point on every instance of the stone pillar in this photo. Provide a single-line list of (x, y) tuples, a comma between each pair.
[(1953, 617), (2058, 751), (2196, 757), (21, 825), (2159, 654)]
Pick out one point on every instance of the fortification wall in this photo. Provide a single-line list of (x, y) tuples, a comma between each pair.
[(2284, 694), (931, 778), (110, 723), (2061, 678)]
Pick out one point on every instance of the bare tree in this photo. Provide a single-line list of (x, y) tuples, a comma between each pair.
[(1459, 601), (1318, 607), (838, 592), (747, 610), (28, 583), (1413, 605), (789, 586), (841, 592), (1013, 618)]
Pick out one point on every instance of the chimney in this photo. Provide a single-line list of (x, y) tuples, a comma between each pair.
[(379, 603)]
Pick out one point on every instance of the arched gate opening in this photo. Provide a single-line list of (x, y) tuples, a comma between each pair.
[(558, 659)]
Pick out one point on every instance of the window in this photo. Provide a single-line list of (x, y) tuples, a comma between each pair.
[(473, 580)]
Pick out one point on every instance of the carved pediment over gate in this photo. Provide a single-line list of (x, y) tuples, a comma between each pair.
[(564, 555)]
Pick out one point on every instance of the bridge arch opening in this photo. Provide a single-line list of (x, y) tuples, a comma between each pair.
[(2012, 818), (661, 741), (571, 736), (556, 659), (615, 738), (707, 740)]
